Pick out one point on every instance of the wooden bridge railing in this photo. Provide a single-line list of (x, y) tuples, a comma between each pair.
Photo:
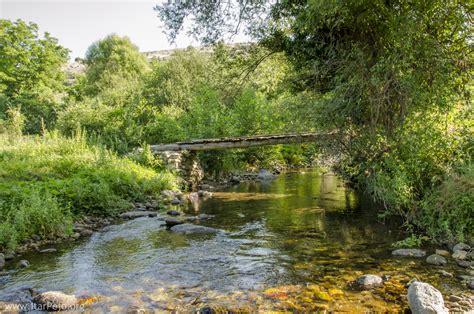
[(240, 142)]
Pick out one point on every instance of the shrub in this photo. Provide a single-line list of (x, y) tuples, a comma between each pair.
[(46, 181)]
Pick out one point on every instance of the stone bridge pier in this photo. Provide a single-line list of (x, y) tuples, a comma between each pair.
[(186, 164)]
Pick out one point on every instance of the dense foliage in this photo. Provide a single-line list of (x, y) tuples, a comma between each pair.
[(392, 76), (47, 180), (31, 77)]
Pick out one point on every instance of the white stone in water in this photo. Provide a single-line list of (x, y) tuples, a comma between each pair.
[(369, 281), (56, 301), (423, 298)]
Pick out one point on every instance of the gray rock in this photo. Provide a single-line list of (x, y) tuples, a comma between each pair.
[(2, 260), (470, 284), (193, 229), (138, 214), (86, 232), (50, 250), (444, 273), (464, 264), (435, 259), (204, 216), (459, 254), (409, 253), (23, 263), (56, 301), (369, 281), (461, 246), (265, 175), (423, 298), (173, 213), (171, 221)]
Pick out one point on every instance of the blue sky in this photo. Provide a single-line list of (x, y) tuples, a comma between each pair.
[(78, 23)]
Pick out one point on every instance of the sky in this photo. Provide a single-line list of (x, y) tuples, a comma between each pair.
[(79, 23)]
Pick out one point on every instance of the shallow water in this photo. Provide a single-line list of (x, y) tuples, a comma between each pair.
[(295, 243)]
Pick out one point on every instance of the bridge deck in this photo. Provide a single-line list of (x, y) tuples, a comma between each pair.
[(239, 142)]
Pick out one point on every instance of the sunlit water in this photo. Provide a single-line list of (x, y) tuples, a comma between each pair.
[(295, 243)]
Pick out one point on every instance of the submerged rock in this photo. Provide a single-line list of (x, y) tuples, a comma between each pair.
[(204, 217), (56, 301), (435, 259), (171, 221), (138, 214), (409, 253), (423, 298), (193, 229), (369, 281)]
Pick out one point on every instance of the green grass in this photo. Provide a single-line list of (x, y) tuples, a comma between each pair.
[(47, 181)]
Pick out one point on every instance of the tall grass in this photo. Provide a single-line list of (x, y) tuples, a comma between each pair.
[(47, 181)]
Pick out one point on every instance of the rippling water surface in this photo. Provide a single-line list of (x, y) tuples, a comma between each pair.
[(294, 243)]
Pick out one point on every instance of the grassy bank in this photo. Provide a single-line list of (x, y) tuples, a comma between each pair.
[(47, 181)]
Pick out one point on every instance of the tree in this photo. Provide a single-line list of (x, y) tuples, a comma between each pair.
[(378, 60), (114, 65), (31, 75)]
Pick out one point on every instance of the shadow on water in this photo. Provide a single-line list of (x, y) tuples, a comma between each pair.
[(287, 242)]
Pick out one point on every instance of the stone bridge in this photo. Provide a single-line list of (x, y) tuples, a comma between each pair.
[(182, 156)]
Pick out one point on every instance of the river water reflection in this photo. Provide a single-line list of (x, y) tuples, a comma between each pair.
[(295, 243)]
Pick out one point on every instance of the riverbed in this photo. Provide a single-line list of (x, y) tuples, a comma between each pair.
[(294, 243)]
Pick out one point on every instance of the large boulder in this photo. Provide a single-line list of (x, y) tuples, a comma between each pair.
[(369, 281), (2, 260), (423, 298), (193, 229), (437, 260), (56, 301), (409, 253)]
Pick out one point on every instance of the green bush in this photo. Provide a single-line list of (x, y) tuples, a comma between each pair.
[(45, 181), (447, 212)]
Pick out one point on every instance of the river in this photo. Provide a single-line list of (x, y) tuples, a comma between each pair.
[(295, 243)]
